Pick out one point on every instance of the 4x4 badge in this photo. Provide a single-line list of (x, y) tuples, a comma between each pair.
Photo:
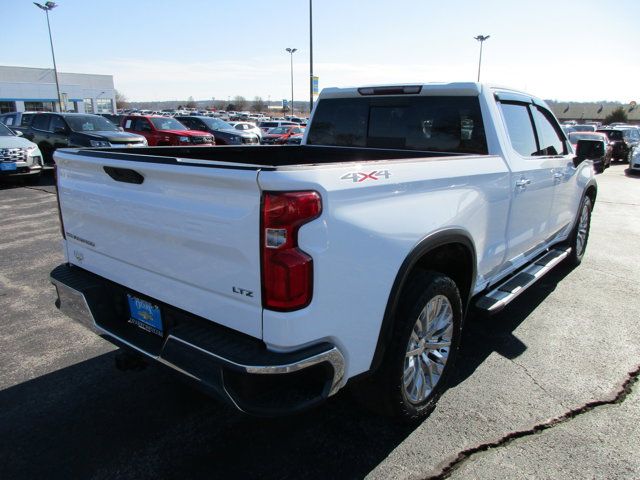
[(359, 177)]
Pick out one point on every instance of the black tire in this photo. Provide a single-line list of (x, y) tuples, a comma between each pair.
[(579, 247), (47, 153), (384, 392)]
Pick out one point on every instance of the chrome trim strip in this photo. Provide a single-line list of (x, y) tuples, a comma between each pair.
[(535, 269), (333, 356), (74, 304)]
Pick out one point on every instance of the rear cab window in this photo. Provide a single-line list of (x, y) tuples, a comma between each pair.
[(41, 122), (433, 123)]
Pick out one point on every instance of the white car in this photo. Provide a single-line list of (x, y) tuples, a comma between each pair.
[(18, 156), (247, 127), (634, 160)]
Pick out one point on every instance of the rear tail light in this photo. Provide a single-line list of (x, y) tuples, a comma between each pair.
[(287, 271)]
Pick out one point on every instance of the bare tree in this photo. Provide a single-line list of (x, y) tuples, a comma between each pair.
[(258, 104), (191, 103), (239, 102), (121, 100)]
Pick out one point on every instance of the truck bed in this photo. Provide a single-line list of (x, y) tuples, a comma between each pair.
[(263, 157)]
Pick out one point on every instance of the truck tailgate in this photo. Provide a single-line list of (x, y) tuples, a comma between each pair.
[(187, 235)]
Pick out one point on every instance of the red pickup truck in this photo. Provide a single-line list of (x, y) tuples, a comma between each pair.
[(165, 131)]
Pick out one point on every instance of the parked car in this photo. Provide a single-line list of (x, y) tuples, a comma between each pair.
[(247, 127), (601, 162), (634, 160), (280, 135), (265, 126), (584, 128), (223, 132), (272, 277), (57, 130), (295, 139), (115, 119), (624, 139), (18, 156), (166, 131), (17, 121)]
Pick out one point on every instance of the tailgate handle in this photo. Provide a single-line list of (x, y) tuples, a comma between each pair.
[(125, 175)]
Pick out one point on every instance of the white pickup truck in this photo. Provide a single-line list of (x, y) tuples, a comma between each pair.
[(272, 276)]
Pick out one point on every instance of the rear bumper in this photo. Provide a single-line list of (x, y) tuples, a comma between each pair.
[(233, 367)]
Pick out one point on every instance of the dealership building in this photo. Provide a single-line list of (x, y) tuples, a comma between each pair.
[(34, 89)]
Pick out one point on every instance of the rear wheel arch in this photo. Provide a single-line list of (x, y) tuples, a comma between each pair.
[(450, 252)]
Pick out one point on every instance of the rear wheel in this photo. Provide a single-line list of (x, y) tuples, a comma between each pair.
[(420, 358)]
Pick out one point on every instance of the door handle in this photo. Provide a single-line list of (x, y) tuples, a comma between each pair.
[(558, 175), (124, 175), (522, 183)]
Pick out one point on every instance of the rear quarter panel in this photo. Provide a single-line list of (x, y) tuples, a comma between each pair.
[(366, 230)]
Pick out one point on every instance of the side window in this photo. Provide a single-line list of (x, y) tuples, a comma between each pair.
[(26, 119), (57, 123), (520, 129), (551, 142), (189, 123), (141, 125), (41, 122)]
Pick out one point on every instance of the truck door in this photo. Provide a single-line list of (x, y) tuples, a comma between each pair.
[(532, 185), (554, 149)]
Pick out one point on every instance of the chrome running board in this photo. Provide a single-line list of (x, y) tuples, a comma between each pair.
[(508, 290)]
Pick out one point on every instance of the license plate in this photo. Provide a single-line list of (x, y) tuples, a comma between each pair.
[(8, 166), (145, 315)]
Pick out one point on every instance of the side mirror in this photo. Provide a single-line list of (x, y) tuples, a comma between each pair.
[(18, 133), (120, 129), (588, 150), (60, 130)]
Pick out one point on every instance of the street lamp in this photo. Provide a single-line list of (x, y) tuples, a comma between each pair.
[(291, 52), (481, 39), (46, 7)]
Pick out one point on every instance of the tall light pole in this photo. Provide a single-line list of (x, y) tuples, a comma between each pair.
[(310, 56), (481, 39), (291, 52), (46, 7)]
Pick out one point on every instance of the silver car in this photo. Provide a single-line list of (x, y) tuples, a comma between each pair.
[(247, 127)]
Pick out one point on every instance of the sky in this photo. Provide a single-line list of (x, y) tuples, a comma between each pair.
[(580, 50)]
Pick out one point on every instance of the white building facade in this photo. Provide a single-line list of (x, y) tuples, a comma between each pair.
[(34, 89)]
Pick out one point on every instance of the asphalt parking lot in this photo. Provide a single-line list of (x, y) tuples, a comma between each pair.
[(544, 389)]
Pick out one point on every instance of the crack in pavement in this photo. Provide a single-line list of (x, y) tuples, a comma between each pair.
[(528, 374), (465, 455), (619, 203), (40, 190)]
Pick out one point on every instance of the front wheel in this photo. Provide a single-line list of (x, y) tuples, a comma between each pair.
[(420, 357), (580, 235)]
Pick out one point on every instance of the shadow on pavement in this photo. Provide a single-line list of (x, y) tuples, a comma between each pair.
[(482, 336), (632, 173), (89, 420), (46, 179)]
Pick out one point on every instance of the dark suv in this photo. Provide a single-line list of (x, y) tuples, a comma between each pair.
[(622, 139), (57, 130), (224, 133)]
